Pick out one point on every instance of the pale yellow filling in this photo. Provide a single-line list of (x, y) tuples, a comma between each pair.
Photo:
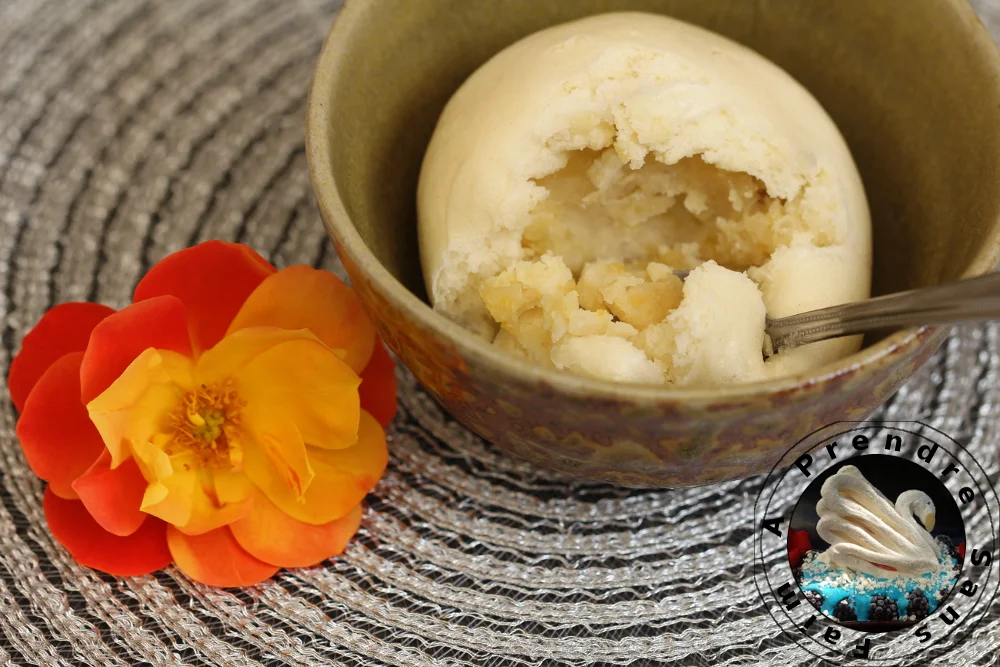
[(596, 289)]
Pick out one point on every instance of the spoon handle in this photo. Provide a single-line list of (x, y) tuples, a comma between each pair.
[(963, 301)]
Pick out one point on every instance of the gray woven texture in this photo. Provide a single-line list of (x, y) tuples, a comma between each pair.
[(130, 129)]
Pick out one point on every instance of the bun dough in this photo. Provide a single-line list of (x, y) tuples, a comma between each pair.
[(571, 174)]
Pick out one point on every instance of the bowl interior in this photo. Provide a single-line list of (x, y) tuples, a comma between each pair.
[(914, 92)]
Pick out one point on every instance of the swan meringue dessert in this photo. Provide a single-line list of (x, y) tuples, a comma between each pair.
[(882, 563), (574, 172)]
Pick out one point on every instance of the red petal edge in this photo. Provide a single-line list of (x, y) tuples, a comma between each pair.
[(58, 439), (63, 329), (142, 552), (113, 497), (212, 279), (378, 386), (116, 342)]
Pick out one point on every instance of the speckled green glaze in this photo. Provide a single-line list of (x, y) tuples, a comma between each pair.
[(931, 171)]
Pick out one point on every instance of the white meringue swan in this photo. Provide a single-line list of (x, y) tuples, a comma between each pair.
[(866, 531)]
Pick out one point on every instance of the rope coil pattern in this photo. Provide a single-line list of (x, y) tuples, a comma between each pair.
[(132, 128)]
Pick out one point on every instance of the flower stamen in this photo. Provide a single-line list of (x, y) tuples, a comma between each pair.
[(206, 423)]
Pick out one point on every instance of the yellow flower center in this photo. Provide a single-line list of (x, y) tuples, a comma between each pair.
[(206, 423)]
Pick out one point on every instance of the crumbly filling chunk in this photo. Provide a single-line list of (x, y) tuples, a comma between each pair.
[(596, 288)]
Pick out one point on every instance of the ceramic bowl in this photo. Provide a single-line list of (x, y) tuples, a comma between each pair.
[(915, 92)]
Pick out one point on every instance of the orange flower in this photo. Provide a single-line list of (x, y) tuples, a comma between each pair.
[(229, 421)]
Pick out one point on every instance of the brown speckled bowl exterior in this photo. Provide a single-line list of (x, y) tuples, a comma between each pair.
[(366, 134), (650, 441)]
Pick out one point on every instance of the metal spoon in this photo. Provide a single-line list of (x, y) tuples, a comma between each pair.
[(963, 301)]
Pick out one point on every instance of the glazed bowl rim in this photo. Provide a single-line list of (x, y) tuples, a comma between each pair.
[(320, 130)]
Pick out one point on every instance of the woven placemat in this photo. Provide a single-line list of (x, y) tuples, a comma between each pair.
[(132, 128)]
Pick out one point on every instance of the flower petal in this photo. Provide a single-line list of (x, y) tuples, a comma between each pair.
[(215, 558), (378, 386), (238, 349), (113, 497), (142, 552), (59, 440), (275, 438), (342, 476), (187, 501), (233, 487), (159, 323), (304, 381), (63, 329), (212, 279), (274, 537), (132, 410), (170, 498), (301, 297)]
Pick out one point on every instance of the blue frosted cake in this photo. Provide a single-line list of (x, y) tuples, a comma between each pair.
[(882, 565), (859, 597)]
